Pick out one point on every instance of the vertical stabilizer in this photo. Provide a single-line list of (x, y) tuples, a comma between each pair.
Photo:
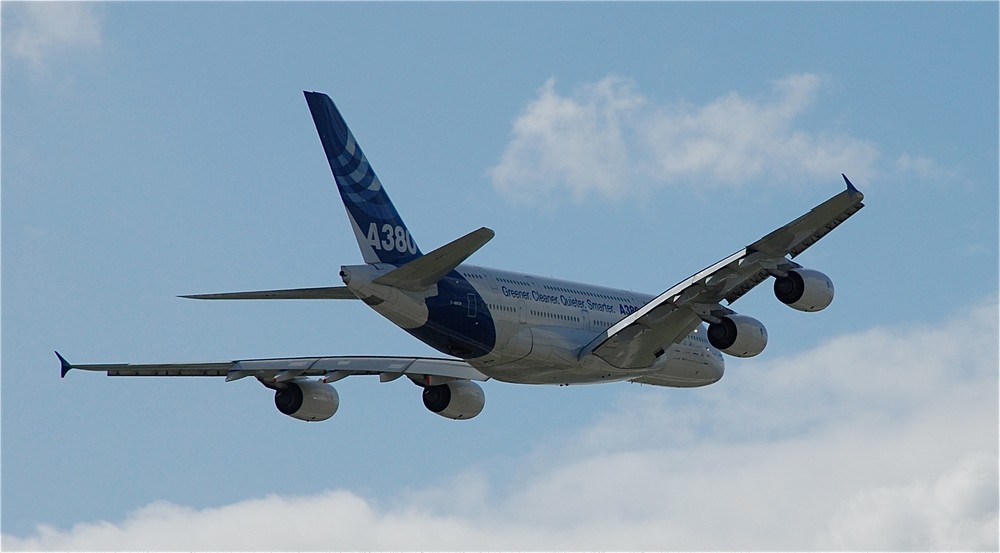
[(381, 233)]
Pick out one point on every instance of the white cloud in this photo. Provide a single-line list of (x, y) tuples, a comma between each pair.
[(37, 32), (923, 168), (882, 439), (608, 140), (956, 510), (579, 141)]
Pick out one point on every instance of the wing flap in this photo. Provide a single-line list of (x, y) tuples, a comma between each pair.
[(640, 343)]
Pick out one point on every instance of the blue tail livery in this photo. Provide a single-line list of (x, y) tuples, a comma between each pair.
[(381, 233)]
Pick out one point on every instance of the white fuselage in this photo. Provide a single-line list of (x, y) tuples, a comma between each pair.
[(530, 329)]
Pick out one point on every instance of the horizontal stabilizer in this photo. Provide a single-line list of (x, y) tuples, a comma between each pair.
[(326, 293), (425, 271)]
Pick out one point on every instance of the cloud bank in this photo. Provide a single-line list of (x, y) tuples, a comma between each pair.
[(37, 32), (884, 439), (608, 141)]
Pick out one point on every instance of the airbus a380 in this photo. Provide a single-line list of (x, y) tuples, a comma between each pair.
[(510, 326)]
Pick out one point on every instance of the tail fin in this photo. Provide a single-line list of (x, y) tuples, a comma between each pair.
[(381, 233)]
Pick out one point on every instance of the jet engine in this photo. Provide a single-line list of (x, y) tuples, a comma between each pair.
[(460, 399), (738, 335), (804, 289), (307, 400)]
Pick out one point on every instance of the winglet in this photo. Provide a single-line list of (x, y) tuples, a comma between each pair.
[(850, 186), (66, 367)]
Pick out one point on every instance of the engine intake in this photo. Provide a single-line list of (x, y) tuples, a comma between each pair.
[(738, 335), (804, 289), (307, 400), (460, 399)]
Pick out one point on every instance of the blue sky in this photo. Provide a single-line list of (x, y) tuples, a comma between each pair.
[(151, 150)]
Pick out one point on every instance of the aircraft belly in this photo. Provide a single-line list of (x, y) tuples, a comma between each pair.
[(685, 366), (549, 355), (513, 344), (589, 371)]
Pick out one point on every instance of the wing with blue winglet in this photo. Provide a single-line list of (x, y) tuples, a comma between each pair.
[(420, 369), (635, 341)]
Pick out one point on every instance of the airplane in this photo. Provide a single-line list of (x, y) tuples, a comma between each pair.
[(510, 326)]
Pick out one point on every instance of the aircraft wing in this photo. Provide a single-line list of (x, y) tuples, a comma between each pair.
[(273, 371), (638, 339)]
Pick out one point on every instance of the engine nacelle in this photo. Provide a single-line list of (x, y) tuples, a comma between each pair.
[(738, 335), (307, 400), (460, 399), (804, 289)]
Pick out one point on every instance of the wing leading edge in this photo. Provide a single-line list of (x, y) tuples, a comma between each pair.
[(638, 339)]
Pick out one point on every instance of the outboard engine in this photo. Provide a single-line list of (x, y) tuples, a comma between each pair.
[(804, 289)]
